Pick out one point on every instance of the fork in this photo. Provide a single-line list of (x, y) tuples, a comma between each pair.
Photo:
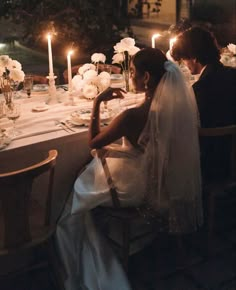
[(58, 123), (67, 126)]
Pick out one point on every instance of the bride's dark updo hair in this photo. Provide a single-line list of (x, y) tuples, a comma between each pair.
[(150, 60)]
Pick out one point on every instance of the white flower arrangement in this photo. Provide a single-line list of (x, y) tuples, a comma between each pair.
[(228, 55), (232, 48), (10, 70), (98, 57), (123, 52), (88, 82)]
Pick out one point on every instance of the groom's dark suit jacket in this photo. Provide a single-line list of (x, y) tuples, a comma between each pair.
[(215, 93)]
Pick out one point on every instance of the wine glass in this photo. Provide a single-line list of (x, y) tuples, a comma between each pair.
[(13, 113), (28, 84)]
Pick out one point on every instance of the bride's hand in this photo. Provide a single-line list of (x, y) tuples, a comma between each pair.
[(110, 94)]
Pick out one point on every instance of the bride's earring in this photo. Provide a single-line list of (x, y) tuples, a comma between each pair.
[(145, 87)]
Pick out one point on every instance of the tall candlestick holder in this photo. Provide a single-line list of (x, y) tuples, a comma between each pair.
[(52, 92)]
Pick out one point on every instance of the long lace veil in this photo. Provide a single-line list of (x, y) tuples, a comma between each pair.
[(170, 140)]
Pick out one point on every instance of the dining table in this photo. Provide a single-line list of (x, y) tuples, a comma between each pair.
[(45, 126)]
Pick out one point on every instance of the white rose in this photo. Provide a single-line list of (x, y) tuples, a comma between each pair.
[(104, 75), (16, 64), (86, 67), (232, 48), (2, 70), (77, 83), (89, 74), (104, 84), (98, 57), (119, 47), (90, 91), (133, 50), (225, 59), (128, 42), (17, 75), (5, 60), (118, 58), (104, 80)]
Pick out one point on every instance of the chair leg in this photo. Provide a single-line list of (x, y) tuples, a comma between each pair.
[(57, 275), (126, 238), (210, 219)]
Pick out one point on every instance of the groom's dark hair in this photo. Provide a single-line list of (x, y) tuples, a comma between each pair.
[(196, 43)]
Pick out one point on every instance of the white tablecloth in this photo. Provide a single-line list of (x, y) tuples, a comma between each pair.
[(40, 134), (43, 125)]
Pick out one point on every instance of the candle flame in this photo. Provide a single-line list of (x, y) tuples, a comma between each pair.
[(70, 52), (156, 35), (49, 36)]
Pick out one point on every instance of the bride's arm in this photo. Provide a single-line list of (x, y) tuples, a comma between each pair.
[(117, 128)]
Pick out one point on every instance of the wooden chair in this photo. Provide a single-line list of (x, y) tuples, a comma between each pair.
[(124, 218), (26, 225), (101, 67), (38, 79), (213, 188), (113, 68)]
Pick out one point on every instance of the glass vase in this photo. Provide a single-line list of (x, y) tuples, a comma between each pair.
[(8, 94), (126, 80)]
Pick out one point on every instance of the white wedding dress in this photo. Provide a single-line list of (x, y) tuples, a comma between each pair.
[(165, 173), (88, 260)]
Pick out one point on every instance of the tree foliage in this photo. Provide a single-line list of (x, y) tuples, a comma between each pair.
[(91, 25)]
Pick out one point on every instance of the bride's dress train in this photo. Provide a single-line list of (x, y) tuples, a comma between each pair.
[(89, 261)]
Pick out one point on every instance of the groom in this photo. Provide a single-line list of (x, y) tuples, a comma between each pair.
[(215, 93)]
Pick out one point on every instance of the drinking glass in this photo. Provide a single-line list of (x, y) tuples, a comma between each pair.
[(2, 109), (13, 113), (28, 84)]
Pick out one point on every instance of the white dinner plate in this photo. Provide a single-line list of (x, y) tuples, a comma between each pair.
[(82, 117), (40, 108), (40, 88), (77, 122)]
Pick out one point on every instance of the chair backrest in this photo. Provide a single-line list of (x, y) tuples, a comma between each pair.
[(15, 192), (223, 131), (113, 68), (38, 79), (101, 67), (101, 153), (74, 70)]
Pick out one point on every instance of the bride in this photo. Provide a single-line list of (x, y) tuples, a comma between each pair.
[(160, 166)]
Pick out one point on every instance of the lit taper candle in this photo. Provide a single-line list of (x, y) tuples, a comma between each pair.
[(70, 52), (171, 42), (154, 39), (50, 55)]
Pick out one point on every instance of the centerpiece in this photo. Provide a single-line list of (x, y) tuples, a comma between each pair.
[(228, 55), (11, 75), (123, 53), (89, 82)]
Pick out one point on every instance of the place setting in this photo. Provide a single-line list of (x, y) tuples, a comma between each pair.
[(5, 139), (82, 117), (12, 111)]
